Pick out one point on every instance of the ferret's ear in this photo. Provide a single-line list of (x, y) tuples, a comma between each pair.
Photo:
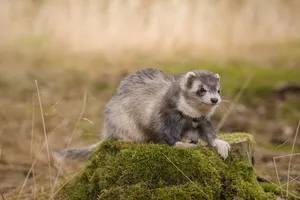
[(189, 77), (217, 76)]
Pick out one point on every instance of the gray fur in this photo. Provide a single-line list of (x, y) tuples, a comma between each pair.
[(153, 106), (75, 153)]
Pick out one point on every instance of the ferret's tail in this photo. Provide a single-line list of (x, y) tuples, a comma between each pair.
[(79, 154)]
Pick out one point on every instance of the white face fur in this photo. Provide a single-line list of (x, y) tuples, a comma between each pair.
[(201, 91)]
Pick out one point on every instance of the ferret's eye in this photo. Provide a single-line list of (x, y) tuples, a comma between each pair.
[(202, 90), (219, 91)]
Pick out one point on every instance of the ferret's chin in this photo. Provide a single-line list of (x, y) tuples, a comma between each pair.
[(204, 108)]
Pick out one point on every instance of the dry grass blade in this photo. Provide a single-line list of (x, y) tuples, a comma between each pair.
[(235, 100), (45, 132), (71, 138), (292, 179), (31, 145), (277, 175), (26, 179), (275, 165), (31, 151), (32, 127), (291, 156), (34, 184), (31, 168), (283, 156), (288, 193), (65, 183), (295, 179), (295, 166), (1, 151), (1, 146), (185, 175)]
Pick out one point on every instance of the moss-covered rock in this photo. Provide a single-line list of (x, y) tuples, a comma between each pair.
[(120, 170)]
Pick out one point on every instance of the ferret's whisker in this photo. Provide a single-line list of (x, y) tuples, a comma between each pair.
[(226, 102), (223, 108)]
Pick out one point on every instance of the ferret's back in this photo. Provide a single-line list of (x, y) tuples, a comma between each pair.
[(145, 82), (141, 93)]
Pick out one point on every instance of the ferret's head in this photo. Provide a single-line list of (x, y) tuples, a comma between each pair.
[(201, 90)]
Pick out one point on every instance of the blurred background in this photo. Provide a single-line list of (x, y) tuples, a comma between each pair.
[(67, 57)]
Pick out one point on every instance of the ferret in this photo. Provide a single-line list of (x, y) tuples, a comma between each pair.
[(152, 106)]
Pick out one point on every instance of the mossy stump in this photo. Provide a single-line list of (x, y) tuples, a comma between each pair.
[(120, 170)]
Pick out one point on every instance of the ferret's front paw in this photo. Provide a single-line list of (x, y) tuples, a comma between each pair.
[(222, 147)]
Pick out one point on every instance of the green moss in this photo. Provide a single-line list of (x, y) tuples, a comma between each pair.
[(240, 180), (153, 171), (236, 137), (269, 187)]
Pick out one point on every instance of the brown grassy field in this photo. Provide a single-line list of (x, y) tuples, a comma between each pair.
[(77, 52)]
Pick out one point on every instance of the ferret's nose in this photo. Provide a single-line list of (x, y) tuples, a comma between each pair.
[(214, 100)]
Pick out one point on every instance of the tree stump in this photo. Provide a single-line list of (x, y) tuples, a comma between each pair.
[(119, 170), (241, 144)]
